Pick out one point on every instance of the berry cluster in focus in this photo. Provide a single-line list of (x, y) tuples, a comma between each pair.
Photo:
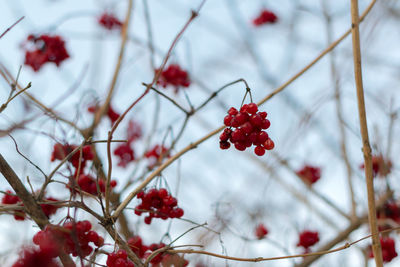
[(159, 203), (246, 128)]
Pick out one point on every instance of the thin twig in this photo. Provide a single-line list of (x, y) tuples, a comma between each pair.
[(9, 28)]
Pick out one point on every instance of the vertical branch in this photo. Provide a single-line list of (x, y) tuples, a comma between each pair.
[(376, 246)]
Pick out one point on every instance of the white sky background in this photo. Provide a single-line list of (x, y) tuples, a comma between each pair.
[(215, 50)]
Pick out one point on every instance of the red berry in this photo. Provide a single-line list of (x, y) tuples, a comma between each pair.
[(263, 114), (228, 120), (232, 111), (265, 124), (261, 231), (240, 146), (262, 137), (252, 108), (259, 151), (224, 145), (256, 120), (247, 128), (243, 109), (269, 144)]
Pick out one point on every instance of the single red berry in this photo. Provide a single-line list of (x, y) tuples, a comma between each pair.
[(232, 111), (243, 109), (240, 146), (265, 124), (252, 108), (269, 144), (228, 120), (259, 151), (263, 114), (261, 231), (265, 17), (224, 145)]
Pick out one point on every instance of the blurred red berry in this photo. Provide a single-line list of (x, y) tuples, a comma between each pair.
[(109, 21), (261, 231), (309, 174), (265, 17), (307, 239)]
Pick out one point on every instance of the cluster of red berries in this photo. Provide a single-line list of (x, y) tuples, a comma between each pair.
[(125, 154), (309, 174), (10, 198), (246, 128), (174, 76), (143, 252), (46, 48), (136, 245), (109, 21), (159, 257), (380, 166), (156, 154), (60, 151), (125, 151), (88, 184), (388, 249), (111, 113), (72, 238), (261, 231), (159, 203), (387, 214), (31, 257), (265, 17), (307, 239), (119, 259)]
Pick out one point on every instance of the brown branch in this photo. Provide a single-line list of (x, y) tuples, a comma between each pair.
[(31, 207), (376, 245)]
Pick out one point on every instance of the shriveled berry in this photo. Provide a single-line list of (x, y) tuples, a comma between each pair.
[(224, 145)]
